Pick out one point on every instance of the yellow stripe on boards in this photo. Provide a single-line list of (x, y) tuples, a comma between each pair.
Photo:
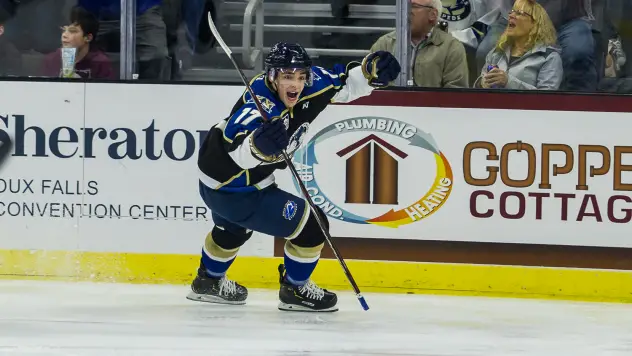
[(371, 276)]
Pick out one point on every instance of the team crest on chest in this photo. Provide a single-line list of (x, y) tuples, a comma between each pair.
[(266, 103)]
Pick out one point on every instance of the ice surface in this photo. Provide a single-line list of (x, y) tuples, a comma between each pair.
[(52, 318)]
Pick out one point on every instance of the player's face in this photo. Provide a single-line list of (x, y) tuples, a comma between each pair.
[(289, 85)]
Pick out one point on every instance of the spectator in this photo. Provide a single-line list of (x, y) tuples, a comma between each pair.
[(34, 24), (469, 20), (571, 19), (525, 56), (89, 62), (494, 31), (618, 70), (183, 20), (610, 56), (10, 58), (602, 30), (438, 59), (151, 33)]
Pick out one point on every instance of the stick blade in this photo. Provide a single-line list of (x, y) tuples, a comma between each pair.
[(363, 302), (215, 32)]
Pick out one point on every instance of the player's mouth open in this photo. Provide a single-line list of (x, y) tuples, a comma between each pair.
[(292, 95)]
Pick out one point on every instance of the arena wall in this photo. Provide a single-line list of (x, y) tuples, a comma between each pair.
[(522, 195)]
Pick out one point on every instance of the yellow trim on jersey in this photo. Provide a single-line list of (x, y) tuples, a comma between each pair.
[(228, 139), (318, 93), (282, 114), (221, 126), (232, 179), (243, 96)]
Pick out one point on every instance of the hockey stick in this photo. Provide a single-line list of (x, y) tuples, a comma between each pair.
[(287, 160)]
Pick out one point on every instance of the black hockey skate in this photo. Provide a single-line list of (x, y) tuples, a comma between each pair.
[(216, 290), (306, 298)]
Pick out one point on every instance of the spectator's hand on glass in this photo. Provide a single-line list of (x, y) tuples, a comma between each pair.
[(495, 78)]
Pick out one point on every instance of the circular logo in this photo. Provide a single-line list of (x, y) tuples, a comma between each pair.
[(456, 10), (296, 140), (374, 170)]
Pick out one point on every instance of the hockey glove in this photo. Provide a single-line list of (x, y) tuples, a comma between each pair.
[(380, 68), (271, 138)]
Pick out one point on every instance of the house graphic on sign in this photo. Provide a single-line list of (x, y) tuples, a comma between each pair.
[(373, 167)]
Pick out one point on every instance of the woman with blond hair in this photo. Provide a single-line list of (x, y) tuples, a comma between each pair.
[(525, 56)]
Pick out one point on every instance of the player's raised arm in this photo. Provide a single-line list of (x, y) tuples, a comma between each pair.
[(358, 79)]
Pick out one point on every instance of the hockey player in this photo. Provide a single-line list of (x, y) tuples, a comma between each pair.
[(239, 156)]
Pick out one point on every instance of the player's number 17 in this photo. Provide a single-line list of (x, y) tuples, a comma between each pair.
[(254, 113)]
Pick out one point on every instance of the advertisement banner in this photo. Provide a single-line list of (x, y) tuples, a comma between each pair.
[(114, 173), (41, 185), (512, 176), (112, 167)]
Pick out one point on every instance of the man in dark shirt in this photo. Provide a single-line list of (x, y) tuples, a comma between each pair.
[(89, 63)]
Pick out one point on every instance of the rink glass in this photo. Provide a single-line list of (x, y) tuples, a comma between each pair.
[(169, 41)]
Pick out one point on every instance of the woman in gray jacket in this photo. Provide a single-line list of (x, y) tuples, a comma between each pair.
[(525, 56)]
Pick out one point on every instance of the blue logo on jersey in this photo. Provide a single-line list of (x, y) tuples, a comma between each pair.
[(289, 210), (456, 10)]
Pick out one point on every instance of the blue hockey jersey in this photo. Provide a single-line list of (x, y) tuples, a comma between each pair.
[(227, 160)]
